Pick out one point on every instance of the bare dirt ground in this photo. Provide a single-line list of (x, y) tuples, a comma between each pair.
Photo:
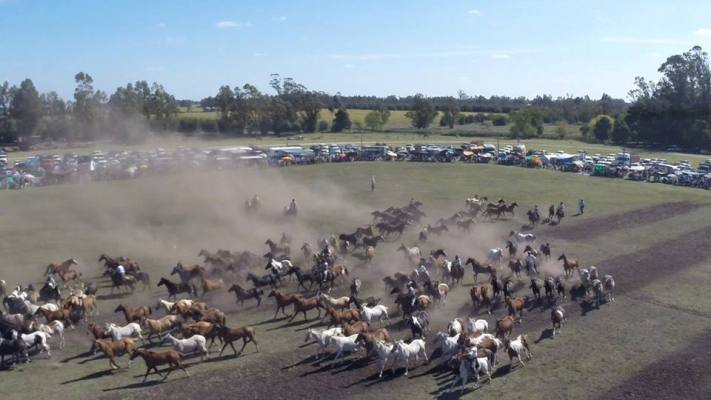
[(614, 222)]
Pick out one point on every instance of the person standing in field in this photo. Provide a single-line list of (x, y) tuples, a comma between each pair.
[(372, 183), (581, 206)]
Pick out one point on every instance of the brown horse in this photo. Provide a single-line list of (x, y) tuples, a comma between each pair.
[(302, 305), (515, 266), (369, 339), (516, 305), (504, 326), (155, 358), (569, 265), (55, 268), (478, 268), (63, 315), (229, 335), (203, 328), (354, 328), (340, 317), (112, 349), (210, 284), (282, 300), (134, 314), (69, 275)]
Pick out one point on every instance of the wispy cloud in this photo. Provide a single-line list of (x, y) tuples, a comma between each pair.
[(282, 18), (261, 54), (703, 32), (638, 40), (474, 11), (161, 25), (232, 24), (501, 56), (348, 66)]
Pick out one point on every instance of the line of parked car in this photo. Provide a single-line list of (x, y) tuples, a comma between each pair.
[(98, 165)]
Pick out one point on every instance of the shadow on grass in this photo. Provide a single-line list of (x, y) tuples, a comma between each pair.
[(545, 334), (138, 385), (85, 354), (271, 321), (94, 375)]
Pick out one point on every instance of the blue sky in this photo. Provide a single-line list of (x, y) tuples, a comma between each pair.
[(356, 47)]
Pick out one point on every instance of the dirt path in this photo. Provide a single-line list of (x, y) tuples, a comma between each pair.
[(684, 375), (601, 225)]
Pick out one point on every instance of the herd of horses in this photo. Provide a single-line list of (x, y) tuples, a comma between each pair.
[(189, 324)]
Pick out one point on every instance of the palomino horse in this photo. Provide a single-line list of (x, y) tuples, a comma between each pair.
[(55, 268)]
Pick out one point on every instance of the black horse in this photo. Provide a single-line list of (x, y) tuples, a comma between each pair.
[(242, 294), (174, 289), (266, 280), (49, 293)]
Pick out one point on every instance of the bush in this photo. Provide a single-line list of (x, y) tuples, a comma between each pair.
[(187, 125), (500, 120), (208, 125)]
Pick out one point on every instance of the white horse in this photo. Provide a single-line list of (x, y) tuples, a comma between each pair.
[(477, 325), (448, 344), (279, 266), (455, 327), (119, 332), (54, 328), (49, 307), (166, 305), (322, 337), (383, 351), (193, 344), (495, 256), (411, 253), (34, 339), (517, 348), (337, 303), (593, 273), (344, 344), (557, 318), (378, 312), (466, 368), (518, 237), (407, 351)]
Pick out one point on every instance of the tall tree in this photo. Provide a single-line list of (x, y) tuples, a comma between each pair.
[(341, 121), (601, 127), (621, 132), (26, 108), (422, 113), (526, 122)]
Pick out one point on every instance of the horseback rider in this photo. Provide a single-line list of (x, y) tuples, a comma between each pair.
[(50, 282), (119, 273), (472, 355), (355, 287), (531, 264), (551, 211), (412, 293), (560, 212), (457, 262), (292, 207), (422, 271), (581, 206), (536, 213)]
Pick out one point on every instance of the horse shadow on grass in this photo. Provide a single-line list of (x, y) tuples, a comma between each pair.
[(292, 324), (94, 375), (545, 334), (112, 296), (271, 321), (85, 354), (138, 385), (587, 306), (443, 392)]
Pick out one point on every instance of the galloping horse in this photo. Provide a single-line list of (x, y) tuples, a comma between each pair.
[(569, 264), (478, 268), (62, 268)]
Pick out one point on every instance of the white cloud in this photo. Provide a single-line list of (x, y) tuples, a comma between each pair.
[(703, 32), (282, 18), (161, 25), (348, 66), (474, 11), (638, 40), (232, 24), (261, 54), (501, 56)]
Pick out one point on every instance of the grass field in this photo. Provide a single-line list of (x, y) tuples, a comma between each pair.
[(399, 122), (653, 238)]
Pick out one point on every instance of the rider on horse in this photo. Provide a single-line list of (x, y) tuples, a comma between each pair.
[(531, 264), (412, 293), (51, 282), (119, 273)]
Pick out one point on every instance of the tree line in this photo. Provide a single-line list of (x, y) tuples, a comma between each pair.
[(126, 115), (674, 110)]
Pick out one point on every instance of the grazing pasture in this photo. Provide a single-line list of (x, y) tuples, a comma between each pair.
[(652, 238)]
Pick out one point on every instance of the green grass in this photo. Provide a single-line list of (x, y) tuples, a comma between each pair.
[(160, 220)]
